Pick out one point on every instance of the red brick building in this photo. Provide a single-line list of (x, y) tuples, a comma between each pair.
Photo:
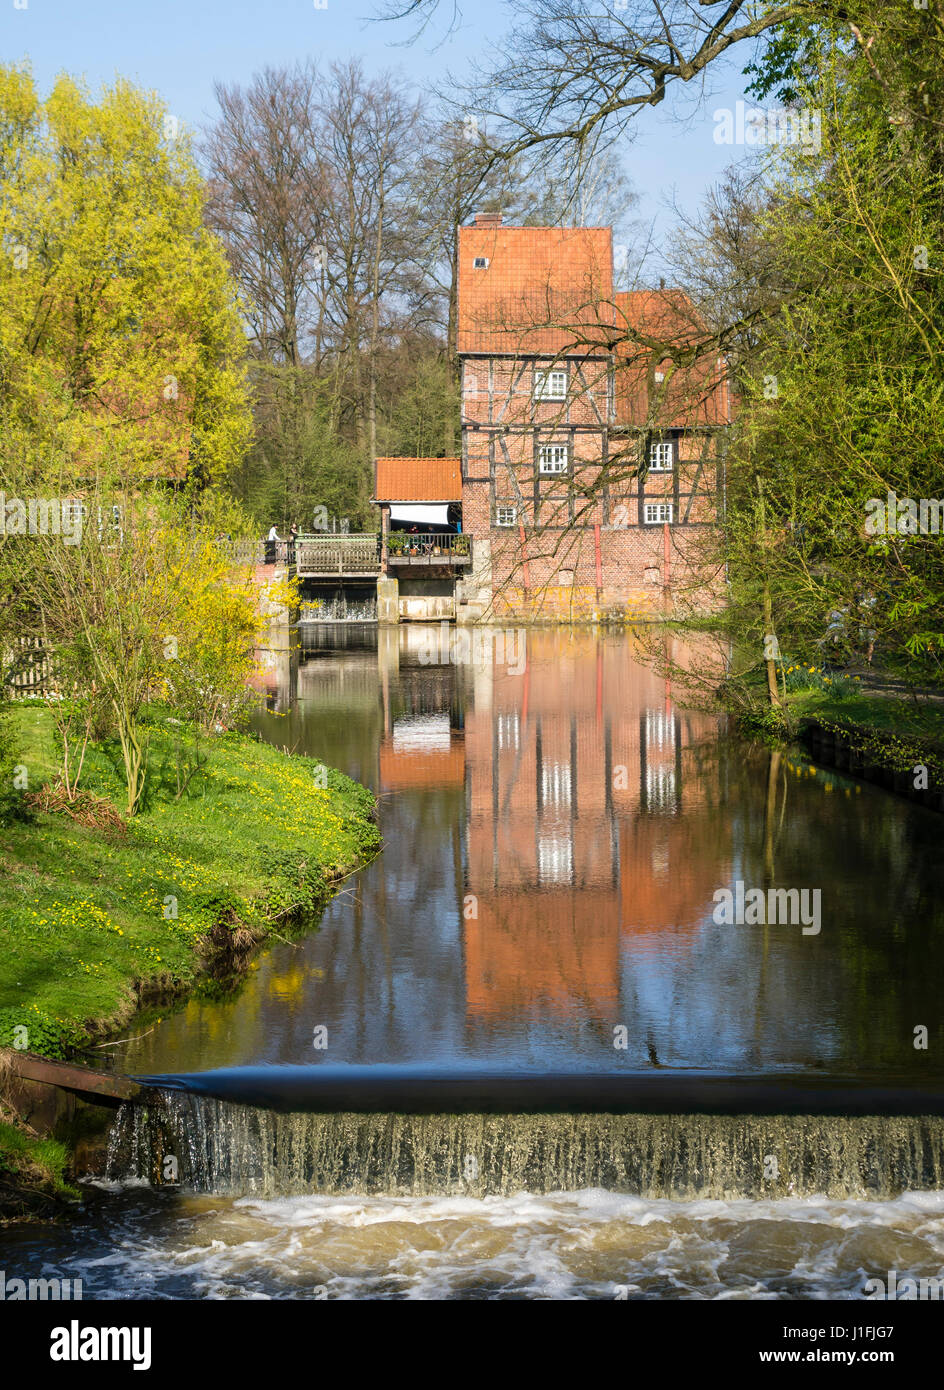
[(591, 452)]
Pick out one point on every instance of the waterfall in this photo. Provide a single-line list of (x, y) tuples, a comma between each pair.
[(341, 608), (212, 1145)]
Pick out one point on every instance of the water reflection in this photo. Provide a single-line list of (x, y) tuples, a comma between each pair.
[(556, 826)]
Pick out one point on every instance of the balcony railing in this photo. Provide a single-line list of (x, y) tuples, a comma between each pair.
[(435, 548), (338, 554)]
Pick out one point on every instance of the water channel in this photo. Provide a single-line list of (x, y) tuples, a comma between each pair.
[(556, 827)]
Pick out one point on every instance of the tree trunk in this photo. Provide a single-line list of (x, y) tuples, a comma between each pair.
[(773, 690)]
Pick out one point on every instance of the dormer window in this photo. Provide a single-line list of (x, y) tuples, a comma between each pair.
[(551, 385), (480, 263)]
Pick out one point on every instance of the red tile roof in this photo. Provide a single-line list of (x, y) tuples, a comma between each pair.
[(541, 291), (690, 395), (418, 480)]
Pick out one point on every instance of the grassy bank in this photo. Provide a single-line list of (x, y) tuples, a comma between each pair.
[(98, 918), (896, 732), (32, 1173)]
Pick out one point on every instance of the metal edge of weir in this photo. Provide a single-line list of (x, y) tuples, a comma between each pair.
[(382, 1089)]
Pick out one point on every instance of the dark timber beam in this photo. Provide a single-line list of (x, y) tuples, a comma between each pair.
[(98, 1087)]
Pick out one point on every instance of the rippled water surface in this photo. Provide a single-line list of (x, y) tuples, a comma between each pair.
[(586, 1244)]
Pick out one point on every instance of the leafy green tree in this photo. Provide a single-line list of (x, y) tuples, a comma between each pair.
[(120, 333)]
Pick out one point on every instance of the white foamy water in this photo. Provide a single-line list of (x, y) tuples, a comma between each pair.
[(590, 1244)]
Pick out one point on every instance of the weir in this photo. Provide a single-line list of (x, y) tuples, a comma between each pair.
[(216, 1146), (285, 1131), (291, 1130)]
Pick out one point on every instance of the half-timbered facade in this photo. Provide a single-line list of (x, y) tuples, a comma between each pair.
[(592, 438), (588, 461)]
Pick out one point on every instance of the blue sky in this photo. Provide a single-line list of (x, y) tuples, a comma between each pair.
[(180, 47)]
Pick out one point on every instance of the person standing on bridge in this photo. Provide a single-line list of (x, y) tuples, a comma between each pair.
[(271, 540)]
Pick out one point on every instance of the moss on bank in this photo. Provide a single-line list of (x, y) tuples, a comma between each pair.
[(96, 920)]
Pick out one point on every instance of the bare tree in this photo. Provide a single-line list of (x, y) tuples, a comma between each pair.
[(266, 198), (368, 150)]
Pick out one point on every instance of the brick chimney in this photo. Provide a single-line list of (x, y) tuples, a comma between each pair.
[(488, 219)]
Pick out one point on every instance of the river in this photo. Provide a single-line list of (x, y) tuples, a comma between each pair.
[(557, 828)]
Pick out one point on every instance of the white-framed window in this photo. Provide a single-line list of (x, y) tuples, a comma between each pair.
[(552, 458), (480, 263), (660, 788), (550, 385), (660, 457), (656, 512), (506, 516)]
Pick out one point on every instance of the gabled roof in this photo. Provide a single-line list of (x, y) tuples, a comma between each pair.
[(542, 287), (418, 480), (690, 395)]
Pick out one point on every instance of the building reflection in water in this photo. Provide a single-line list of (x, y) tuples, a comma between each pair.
[(555, 828), (575, 774), (575, 784)]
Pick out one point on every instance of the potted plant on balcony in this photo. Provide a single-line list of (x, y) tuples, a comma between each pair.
[(395, 542), (460, 545)]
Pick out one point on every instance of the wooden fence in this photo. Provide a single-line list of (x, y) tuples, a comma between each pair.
[(28, 669)]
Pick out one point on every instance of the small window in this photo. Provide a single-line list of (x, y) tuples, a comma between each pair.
[(480, 263), (550, 385), (505, 516), (657, 511), (660, 457), (553, 458), (660, 729)]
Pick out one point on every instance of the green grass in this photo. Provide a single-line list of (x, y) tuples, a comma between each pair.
[(897, 716), (30, 1163), (894, 732), (87, 916)]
